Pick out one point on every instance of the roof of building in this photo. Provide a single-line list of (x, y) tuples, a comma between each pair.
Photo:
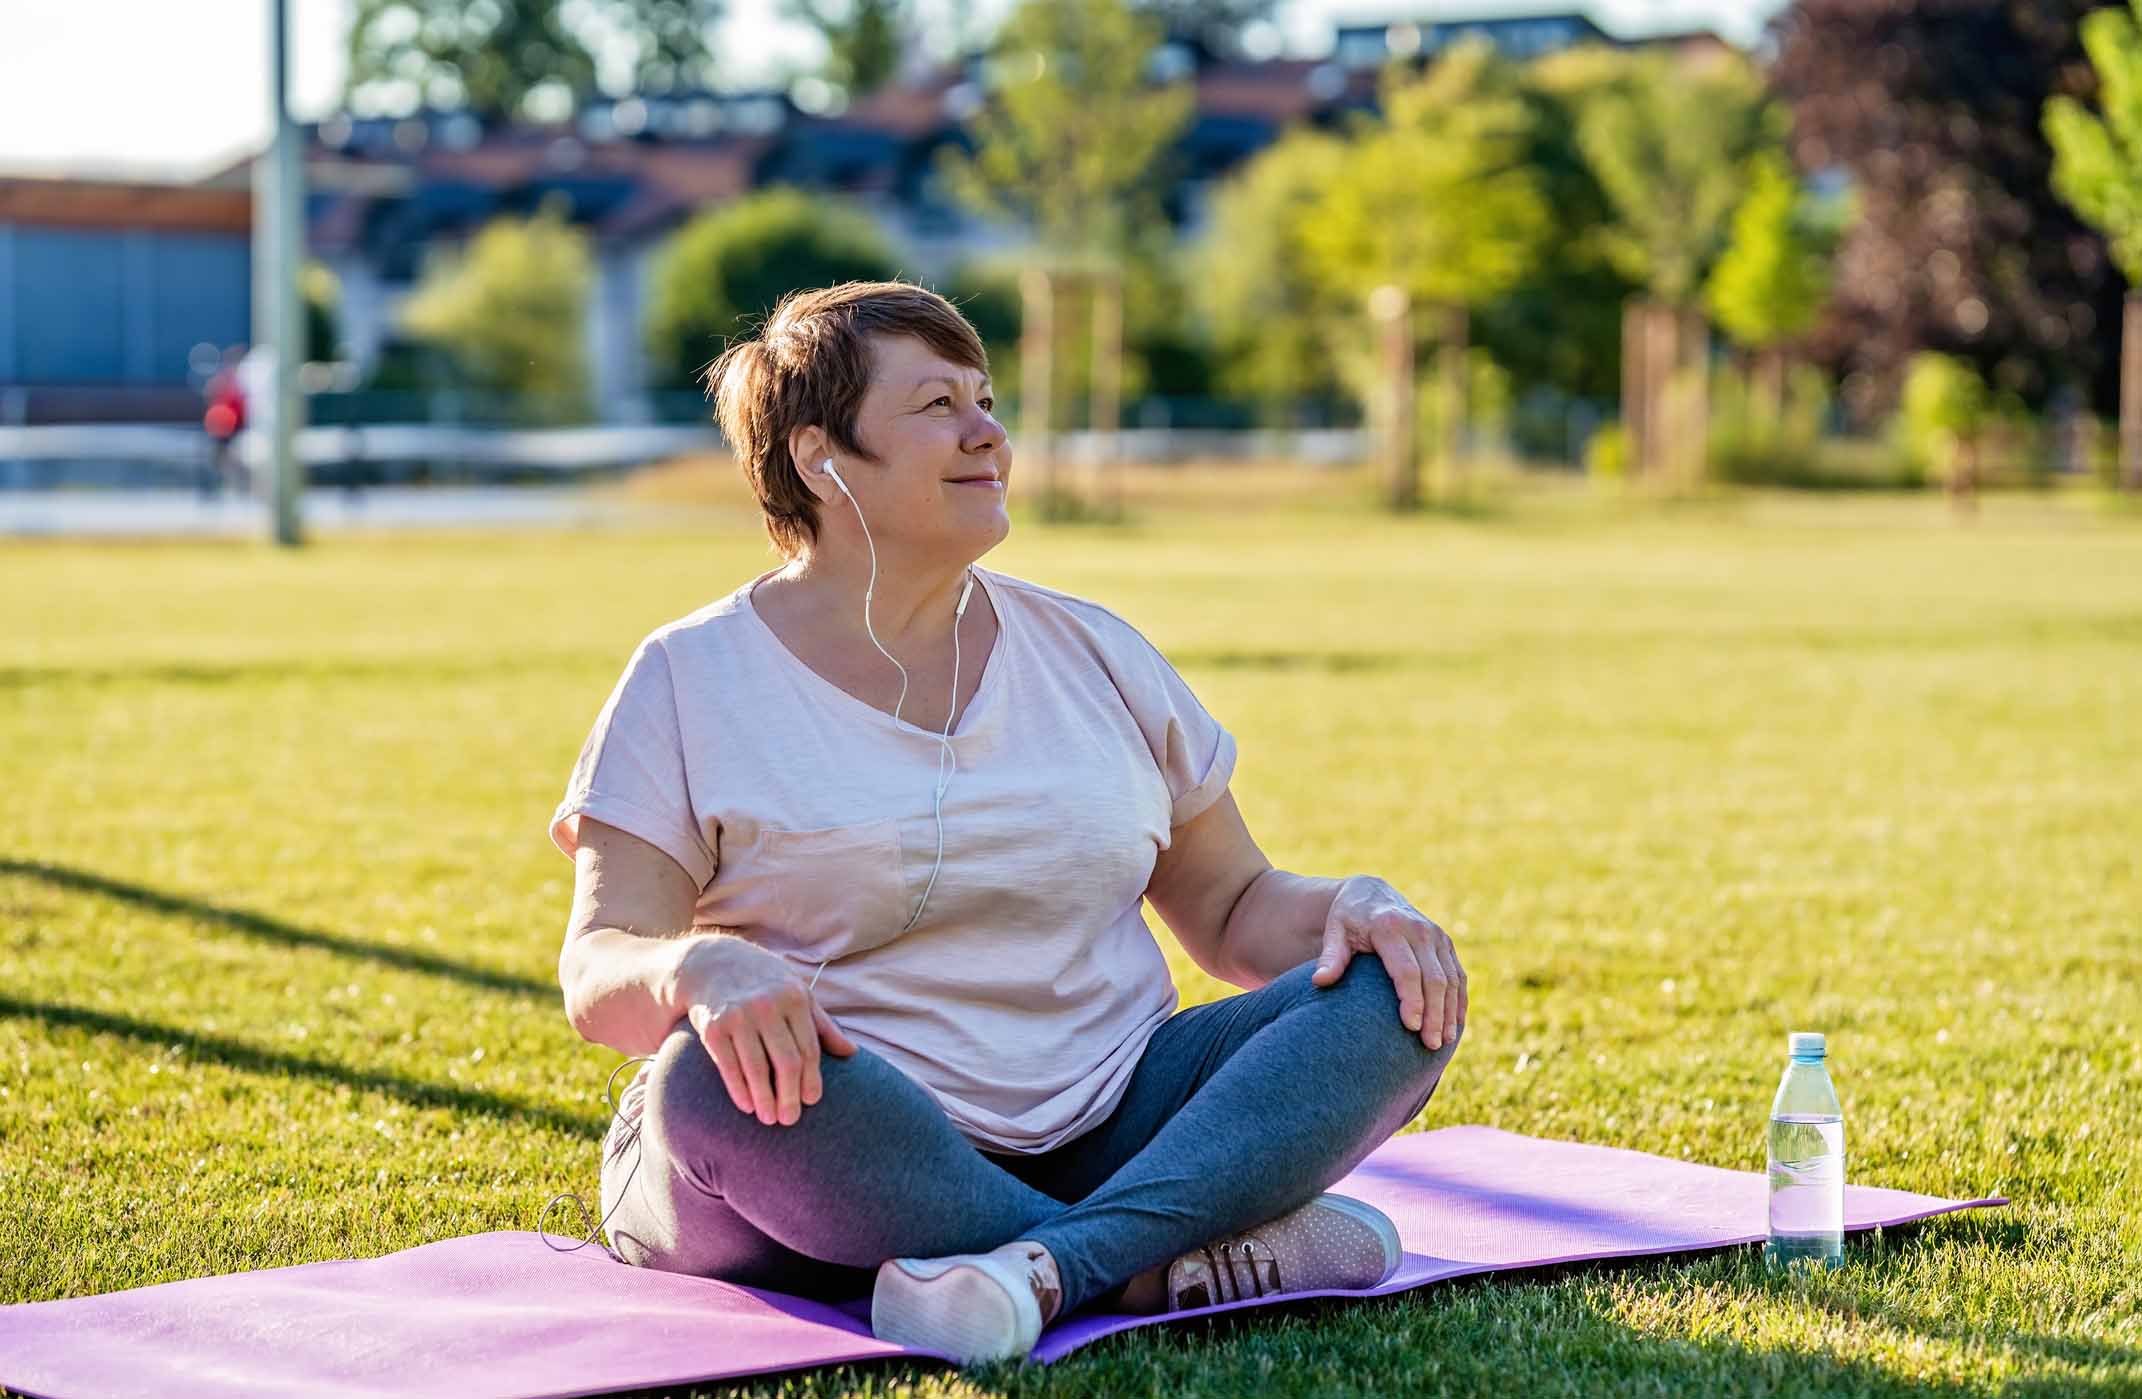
[(71, 203)]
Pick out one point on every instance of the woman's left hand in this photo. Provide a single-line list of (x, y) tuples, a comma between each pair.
[(1370, 916)]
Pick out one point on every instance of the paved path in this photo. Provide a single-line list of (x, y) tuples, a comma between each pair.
[(178, 512)]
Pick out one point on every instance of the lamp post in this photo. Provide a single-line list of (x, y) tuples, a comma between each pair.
[(278, 314)]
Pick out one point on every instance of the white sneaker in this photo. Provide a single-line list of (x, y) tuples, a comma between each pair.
[(970, 1306), (1334, 1242)]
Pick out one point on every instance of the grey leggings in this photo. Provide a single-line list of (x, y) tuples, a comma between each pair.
[(1238, 1111)]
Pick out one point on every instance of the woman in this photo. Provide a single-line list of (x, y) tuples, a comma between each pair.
[(860, 850)]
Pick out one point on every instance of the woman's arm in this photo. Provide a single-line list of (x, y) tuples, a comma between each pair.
[(1239, 918), (627, 941)]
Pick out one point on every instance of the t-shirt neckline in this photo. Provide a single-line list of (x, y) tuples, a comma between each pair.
[(968, 719)]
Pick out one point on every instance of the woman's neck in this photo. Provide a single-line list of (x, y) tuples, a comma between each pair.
[(909, 605)]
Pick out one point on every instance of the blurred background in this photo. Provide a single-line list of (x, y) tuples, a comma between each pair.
[(1823, 244)]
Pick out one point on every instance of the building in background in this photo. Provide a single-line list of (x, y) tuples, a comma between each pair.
[(106, 290)]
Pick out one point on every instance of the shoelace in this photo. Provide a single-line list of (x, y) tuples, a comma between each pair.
[(1047, 1295), (1222, 1264)]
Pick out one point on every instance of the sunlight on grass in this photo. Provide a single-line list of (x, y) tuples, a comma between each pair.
[(279, 920)]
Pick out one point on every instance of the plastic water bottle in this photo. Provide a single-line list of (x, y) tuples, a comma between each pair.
[(1807, 1161)]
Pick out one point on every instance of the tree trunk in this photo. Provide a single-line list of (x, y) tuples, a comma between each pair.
[(1392, 309), (1659, 417), (1450, 364), (1771, 367), (2131, 393), (1692, 335), (1107, 399), (1037, 378), (1635, 393)]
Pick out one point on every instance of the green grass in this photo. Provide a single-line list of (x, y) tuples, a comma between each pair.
[(278, 918)]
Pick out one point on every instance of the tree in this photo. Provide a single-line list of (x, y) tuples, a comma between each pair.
[(1276, 324), (865, 39), (1772, 281), (1434, 199), (1560, 327), (2097, 168), (489, 57), (511, 310), (1671, 149), (737, 262), (1214, 24), (1070, 143), (1934, 109)]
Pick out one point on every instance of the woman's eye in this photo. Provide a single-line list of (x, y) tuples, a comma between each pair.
[(989, 405)]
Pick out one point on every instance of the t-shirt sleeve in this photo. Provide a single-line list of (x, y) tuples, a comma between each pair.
[(631, 772), (1195, 753)]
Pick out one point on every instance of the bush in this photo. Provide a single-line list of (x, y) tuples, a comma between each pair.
[(511, 311), (727, 269), (1606, 456), (1756, 443), (1943, 411)]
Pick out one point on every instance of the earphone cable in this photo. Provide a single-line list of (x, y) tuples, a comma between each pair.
[(614, 1104)]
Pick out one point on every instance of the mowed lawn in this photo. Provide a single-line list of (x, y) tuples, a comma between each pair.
[(279, 919)]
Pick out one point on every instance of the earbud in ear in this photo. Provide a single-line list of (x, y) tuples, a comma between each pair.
[(828, 468)]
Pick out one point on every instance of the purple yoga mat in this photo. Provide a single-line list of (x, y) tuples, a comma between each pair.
[(502, 1315)]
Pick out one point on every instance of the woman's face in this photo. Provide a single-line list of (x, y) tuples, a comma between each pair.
[(944, 459)]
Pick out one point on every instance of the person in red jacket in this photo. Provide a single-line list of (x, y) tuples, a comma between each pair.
[(223, 421)]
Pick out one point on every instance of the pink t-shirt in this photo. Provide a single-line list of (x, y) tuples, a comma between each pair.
[(1023, 997)]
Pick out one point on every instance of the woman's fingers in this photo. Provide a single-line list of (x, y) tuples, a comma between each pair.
[(785, 1059), (751, 1053), (797, 1019), (1453, 984), (1405, 969), (831, 1035), (714, 1038)]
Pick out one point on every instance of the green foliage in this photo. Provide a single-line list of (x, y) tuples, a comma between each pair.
[(1774, 277), (1273, 319), (491, 57), (864, 38), (1560, 326), (1606, 455), (2097, 161), (1945, 407), (1435, 197), (1071, 143), (730, 266), (1487, 407), (1671, 147), (1756, 443), (511, 310)]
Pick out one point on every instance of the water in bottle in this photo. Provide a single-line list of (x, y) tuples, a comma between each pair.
[(1807, 1160)]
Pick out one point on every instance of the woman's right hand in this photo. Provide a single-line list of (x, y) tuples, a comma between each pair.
[(761, 1026)]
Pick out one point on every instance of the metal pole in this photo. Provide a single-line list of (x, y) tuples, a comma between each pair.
[(278, 311)]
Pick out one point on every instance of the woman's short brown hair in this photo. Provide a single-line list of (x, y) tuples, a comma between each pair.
[(809, 366)]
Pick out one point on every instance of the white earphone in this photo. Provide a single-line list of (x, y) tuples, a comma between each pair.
[(944, 739)]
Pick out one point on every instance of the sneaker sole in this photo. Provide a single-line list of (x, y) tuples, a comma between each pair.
[(1380, 1223), (961, 1312)]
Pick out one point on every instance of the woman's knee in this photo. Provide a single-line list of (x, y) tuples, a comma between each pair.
[(1368, 998)]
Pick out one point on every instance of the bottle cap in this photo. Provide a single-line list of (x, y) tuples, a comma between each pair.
[(1804, 1044)]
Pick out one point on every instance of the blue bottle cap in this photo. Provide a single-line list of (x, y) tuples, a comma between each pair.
[(1804, 1044)]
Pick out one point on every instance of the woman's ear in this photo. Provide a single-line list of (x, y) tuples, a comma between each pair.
[(807, 448)]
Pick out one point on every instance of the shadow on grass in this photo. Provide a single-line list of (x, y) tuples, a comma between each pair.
[(261, 926), (249, 1058)]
